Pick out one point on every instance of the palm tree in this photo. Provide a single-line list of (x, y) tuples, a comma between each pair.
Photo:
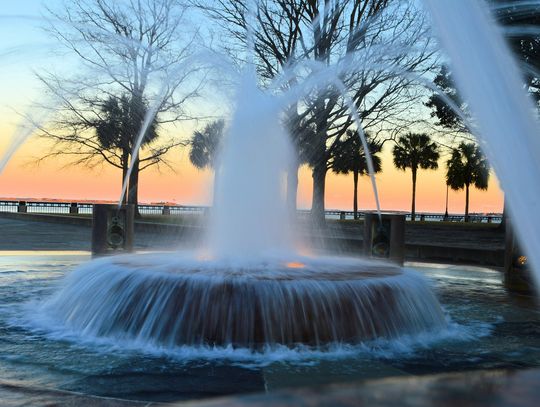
[(117, 128), (415, 151), (205, 146), (467, 166), (349, 156)]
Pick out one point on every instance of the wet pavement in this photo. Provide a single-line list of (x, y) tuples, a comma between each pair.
[(472, 389), (493, 388)]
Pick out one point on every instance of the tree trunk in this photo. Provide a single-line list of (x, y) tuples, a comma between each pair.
[(292, 188), (133, 191), (319, 166), (355, 194), (317, 203), (466, 202), (413, 208), (125, 166)]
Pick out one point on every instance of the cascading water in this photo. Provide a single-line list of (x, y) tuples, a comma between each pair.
[(249, 287), (489, 79), (168, 301)]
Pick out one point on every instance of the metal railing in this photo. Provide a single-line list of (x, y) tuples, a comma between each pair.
[(8, 206), (473, 218), (75, 208), (422, 217)]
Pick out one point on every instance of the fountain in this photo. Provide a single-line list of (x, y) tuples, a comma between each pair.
[(253, 295), (167, 301), (249, 287)]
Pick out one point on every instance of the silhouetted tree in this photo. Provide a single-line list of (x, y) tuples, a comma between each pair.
[(135, 48), (205, 143), (446, 116), (302, 132), (346, 31), (116, 128), (467, 166), (415, 151), (349, 156), (276, 44), (521, 22), (365, 44)]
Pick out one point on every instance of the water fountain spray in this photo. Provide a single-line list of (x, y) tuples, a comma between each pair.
[(490, 80)]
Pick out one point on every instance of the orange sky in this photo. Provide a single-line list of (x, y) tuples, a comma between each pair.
[(23, 178)]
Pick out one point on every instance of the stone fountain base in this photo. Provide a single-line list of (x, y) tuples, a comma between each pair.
[(169, 302)]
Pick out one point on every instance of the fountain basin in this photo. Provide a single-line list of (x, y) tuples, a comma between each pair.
[(487, 329), (166, 301)]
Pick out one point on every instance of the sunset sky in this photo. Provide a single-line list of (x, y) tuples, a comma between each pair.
[(24, 50)]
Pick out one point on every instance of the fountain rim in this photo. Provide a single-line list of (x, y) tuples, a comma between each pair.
[(316, 269)]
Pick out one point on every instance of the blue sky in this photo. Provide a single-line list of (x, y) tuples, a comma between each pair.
[(25, 48)]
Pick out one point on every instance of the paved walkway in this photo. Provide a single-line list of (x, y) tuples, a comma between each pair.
[(27, 235), (18, 234)]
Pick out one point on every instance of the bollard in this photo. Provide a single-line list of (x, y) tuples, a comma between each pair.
[(517, 274), (112, 229), (166, 210), (342, 216), (21, 207), (73, 208), (386, 240)]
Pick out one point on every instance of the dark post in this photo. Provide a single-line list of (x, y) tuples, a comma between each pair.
[(22, 208), (397, 239), (73, 209), (386, 239), (166, 210), (517, 275), (342, 216), (445, 218), (112, 229)]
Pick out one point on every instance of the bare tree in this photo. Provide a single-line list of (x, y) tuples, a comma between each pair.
[(276, 38), (365, 53), (379, 48), (134, 48)]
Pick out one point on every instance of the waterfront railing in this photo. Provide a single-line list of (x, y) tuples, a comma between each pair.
[(78, 208)]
